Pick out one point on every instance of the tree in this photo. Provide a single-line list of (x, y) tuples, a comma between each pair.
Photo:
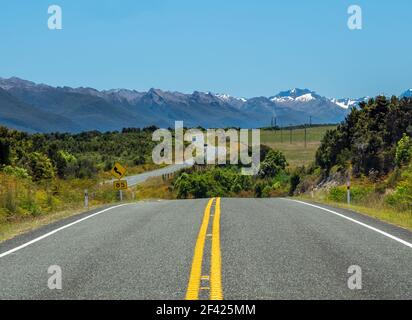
[(403, 151), (368, 138), (65, 163), (274, 163), (4, 152), (183, 186), (40, 167)]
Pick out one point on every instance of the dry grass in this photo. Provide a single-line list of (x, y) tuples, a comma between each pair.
[(374, 208), (155, 188), (21, 225), (296, 154)]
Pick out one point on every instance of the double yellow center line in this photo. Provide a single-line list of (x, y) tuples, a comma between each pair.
[(215, 276)]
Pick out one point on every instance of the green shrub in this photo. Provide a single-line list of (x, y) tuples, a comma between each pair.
[(403, 151), (358, 193), (337, 194), (16, 172), (402, 197), (10, 200), (40, 166), (65, 164), (274, 163), (267, 191)]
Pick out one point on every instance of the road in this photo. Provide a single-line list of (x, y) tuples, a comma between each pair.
[(142, 177), (211, 249)]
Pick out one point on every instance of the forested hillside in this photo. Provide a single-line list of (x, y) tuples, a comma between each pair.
[(48, 173), (373, 149), (368, 138), (45, 156)]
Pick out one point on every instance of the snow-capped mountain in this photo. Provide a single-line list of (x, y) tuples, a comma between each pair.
[(33, 107), (407, 94), (348, 103), (296, 94)]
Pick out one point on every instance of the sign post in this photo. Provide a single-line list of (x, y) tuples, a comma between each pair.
[(348, 189), (118, 171)]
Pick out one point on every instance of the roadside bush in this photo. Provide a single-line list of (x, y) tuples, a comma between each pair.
[(337, 194), (40, 167), (30, 205), (295, 179), (267, 190), (259, 187), (403, 151), (402, 197), (16, 172), (222, 182), (86, 168), (274, 163), (358, 193)]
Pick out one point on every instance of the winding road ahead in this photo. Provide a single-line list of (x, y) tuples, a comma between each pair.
[(140, 178), (210, 249)]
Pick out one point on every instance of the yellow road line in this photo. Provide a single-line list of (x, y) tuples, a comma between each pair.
[(193, 287), (216, 260)]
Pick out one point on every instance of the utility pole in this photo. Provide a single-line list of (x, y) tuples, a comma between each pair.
[(310, 122), (281, 135), (305, 136)]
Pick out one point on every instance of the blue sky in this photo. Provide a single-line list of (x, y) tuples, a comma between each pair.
[(240, 47)]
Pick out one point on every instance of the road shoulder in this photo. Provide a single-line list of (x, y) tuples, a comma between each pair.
[(36, 232), (395, 230)]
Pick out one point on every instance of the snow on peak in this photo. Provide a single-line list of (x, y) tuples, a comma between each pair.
[(348, 103), (223, 96), (305, 98), (226, 97), (296, 94), (407, 94)]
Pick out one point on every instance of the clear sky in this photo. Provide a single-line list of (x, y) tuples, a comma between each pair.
[(240, 47)]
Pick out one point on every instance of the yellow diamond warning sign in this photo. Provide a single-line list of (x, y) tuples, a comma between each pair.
[(118, 171)]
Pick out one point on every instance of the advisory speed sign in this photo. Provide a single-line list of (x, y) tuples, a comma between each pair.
[(120, 185)]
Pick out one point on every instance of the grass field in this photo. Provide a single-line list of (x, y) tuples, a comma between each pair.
[(292, 143)]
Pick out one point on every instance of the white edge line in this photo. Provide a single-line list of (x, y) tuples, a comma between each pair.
[(57, 230), (356, 221)]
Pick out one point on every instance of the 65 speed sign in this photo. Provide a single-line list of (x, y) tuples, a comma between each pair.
[(120, 185)]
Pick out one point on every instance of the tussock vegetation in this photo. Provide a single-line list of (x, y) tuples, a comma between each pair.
[(20, 197)]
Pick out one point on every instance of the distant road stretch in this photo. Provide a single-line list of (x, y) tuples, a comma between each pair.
[(142, 177), (211, 249)]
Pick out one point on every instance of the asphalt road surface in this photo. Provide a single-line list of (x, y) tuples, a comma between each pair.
[(211, 249)]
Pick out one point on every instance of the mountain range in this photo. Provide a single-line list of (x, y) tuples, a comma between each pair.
[(32, 107)]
